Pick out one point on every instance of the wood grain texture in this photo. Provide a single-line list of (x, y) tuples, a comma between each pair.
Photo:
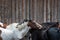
[(38, 10)]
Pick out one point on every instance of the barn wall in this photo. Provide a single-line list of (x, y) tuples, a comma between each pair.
[(38, 10)]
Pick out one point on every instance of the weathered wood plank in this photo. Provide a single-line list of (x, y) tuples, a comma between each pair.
[(38, 10)]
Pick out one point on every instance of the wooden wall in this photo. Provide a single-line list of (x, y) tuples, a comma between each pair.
[(38, 10)]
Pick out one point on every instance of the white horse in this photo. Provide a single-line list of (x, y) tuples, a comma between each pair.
[(14, 31)]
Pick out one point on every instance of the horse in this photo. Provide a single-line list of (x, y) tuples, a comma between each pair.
[(40, 33)]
